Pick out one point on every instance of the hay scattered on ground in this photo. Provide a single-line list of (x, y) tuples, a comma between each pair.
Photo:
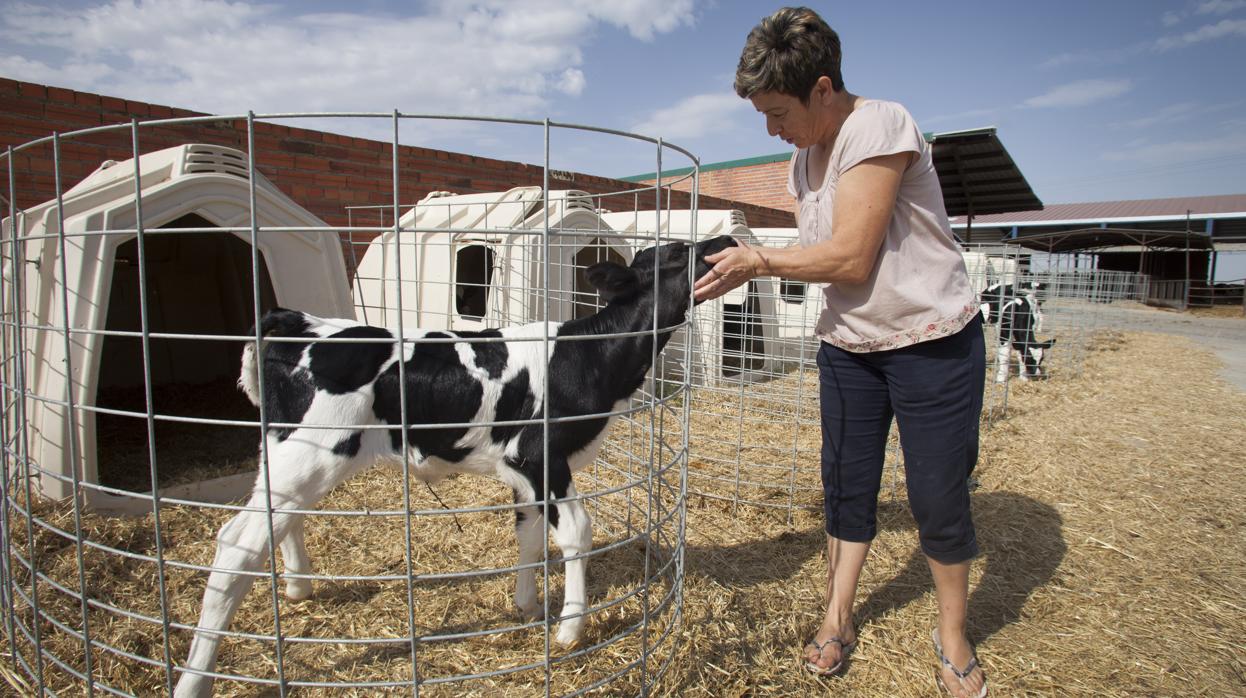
[(1110, 516), (1220, 311)]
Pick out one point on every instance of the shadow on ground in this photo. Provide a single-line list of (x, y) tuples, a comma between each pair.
[(1020, 539)]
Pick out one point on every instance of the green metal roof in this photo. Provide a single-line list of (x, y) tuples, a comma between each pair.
[(727, 165)]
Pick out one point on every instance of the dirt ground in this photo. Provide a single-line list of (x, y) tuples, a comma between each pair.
[(1113, 535), (1110, 515), (1221, 329)]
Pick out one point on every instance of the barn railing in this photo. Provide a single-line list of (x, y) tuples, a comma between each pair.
[(1098, 285), (1169, 293), (1232, 292)]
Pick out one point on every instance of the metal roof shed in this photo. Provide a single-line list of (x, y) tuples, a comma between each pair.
[(977, 174), (1086, 239)]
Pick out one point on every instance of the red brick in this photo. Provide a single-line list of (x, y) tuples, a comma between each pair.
[(330, 180), (86, 99), (138, 109), (307, 162), (292, 145), (60, 94), (69, 118), (274, 159)]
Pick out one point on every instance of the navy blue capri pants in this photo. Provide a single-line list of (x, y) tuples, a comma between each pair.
[(934, 391)]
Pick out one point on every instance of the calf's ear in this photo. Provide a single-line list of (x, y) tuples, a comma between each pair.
[(718, 244), (614, 282)]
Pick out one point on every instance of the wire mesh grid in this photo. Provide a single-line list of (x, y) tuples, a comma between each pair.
[(121, 327), (755, 435)]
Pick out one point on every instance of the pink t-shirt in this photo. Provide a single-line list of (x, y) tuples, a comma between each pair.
[(919, 289)]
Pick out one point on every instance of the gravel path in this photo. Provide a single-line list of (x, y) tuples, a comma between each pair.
[(1226, 336)]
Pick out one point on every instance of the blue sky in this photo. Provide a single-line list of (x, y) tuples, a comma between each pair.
[(1094, 100)]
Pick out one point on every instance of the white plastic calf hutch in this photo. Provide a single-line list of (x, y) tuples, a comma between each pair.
[(199, 283), (734, 336), (471, 261), (798, 303)]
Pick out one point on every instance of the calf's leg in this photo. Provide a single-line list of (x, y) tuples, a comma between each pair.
[(574, 535), (296, 560), (1002, 355), (300, 475)]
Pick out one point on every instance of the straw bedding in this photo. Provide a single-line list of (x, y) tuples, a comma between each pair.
[(1110, 517)]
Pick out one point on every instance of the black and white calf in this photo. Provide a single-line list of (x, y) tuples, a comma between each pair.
[(458, 381), (1016, 310)]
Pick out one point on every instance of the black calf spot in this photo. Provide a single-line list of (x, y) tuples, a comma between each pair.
[(349, 446), (516, 402), (288, 391), (490, 356), (519, 513), (345, 367), (440, 390)]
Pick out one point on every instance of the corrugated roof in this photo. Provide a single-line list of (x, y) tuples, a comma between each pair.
[(978, 175), (1141, 210), (1099, 238)]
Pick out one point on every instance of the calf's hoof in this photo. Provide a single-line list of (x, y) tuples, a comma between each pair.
[(530, 612), (298, 589), (569, 634)]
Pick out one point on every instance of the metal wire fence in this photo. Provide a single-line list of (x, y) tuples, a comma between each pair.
[(125, 301), (755, 436)]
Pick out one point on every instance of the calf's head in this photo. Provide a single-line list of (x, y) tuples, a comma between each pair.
[(669, 263), (1032, 356)]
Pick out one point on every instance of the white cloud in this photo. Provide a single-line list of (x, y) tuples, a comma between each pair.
[(489, 57), (1080, 93), (571, 82), (1169, 114), (1172, 18), (643, 19), (39, 72), (695, 117), (1209, 32), (1179, 112), (971, 118), (1219, 7), (1229, 144)]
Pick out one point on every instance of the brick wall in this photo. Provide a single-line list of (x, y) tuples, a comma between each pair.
[(763, 185), (323, 172)]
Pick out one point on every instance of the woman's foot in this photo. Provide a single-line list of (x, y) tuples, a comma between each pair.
[(959, 672), (826, 652)]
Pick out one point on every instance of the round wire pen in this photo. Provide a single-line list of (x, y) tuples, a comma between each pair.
[(128, 298)]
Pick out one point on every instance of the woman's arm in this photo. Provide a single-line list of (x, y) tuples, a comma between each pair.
[(864, 200)]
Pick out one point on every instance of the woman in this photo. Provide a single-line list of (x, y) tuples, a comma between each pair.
[(901, 335)]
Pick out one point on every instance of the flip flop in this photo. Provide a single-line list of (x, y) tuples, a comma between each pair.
[(961, 674), (844, 651)]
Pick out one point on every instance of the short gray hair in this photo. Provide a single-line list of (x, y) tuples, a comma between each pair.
[(786, 53)]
